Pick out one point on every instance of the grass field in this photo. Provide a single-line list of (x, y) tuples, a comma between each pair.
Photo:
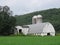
[(29, 40)]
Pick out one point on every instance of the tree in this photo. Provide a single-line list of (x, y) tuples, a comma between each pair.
[(7, 21)]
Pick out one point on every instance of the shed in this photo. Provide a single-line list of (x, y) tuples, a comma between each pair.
[(18, 29)]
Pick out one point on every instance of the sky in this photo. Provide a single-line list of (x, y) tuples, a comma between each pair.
[(20, 7)]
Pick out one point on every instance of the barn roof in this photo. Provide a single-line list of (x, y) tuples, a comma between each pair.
[(36, 28), (19, 27)]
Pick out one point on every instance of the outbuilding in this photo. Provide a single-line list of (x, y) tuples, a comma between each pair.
[(18, 29)]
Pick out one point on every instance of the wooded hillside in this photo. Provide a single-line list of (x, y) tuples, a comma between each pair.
[(50, 15)]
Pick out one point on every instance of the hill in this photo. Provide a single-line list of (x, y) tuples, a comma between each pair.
[(49, 15)]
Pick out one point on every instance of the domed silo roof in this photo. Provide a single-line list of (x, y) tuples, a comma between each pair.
[(39, 16), (34, 17)]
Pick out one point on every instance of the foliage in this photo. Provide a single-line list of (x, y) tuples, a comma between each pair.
[(50, 15), (7, 21)]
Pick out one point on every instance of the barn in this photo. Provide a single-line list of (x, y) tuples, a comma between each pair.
[(39, 29)]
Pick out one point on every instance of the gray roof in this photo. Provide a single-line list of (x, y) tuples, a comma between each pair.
[(36, 28), (25, 26)]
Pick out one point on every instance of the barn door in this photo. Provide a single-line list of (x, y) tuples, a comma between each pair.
[(48, 34), (20, 30)]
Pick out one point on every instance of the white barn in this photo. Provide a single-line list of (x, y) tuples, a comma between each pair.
[(39, 29)]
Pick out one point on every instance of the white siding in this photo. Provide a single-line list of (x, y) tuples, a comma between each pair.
[(49, 29), (25, 31), (39, 29)]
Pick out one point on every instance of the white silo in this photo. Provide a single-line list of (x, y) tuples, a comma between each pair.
[(34, 19), (39, 18)]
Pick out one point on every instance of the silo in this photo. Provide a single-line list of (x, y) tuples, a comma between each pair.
[(34, 19), (39, 18)]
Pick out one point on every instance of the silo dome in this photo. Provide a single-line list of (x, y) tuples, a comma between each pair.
[(34, 16), (39, 16)]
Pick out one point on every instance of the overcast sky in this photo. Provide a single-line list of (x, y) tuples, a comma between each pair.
[(26, 6)]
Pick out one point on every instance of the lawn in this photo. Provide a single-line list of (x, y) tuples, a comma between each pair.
[(29, 40)]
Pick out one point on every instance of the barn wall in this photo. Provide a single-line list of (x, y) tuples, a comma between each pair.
[(25, 31), (43, 34), (49, 29)]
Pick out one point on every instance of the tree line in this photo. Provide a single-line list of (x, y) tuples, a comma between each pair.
[(7, 21)]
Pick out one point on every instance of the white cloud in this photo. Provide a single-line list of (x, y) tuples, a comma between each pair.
[(25, 6)]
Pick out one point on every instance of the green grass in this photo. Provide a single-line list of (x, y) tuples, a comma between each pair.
[(29, 40)]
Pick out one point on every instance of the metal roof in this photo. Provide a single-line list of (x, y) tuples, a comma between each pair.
[(36, 28)]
